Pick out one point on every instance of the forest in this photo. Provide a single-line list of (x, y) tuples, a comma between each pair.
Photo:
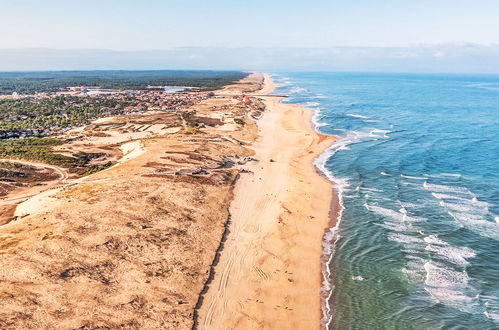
[(52, 114), (52, 81)]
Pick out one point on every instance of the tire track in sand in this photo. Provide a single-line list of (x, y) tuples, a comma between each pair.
[(252, 215)]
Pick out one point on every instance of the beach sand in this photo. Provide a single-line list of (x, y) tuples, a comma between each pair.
[(269, 274)]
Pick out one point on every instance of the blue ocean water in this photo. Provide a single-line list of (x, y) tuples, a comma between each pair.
[(417, 168)]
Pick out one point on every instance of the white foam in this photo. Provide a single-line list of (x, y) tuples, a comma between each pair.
[(376, 130), (488, 86), (396, 227), (370, 189), (310, 104), (340, 144), (407, 240), (320, 124), (463, 217), (316, 119), (352, 137), (451, 297), (455, 175), (482, 204), (384, 173), (356, 116), (450, 287), (412, 177), (491, 303), (446, 196), (453, 254), (329, 244), (433, 239), (407, 205), (440, 276), (464, 206), (399, 216), (438, 188), (297, 90), (379, 133), (414, 268), (386, 212), (468, 211), (377, 197), (332, 236), (357, 278), (476, 224), (492, 316)]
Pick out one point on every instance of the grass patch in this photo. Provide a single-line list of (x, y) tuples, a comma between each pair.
[(40, 149)]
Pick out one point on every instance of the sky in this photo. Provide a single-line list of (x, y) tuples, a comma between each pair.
[(130, 26), (164, 24)]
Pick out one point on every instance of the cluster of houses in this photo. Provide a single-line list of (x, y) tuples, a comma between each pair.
[(137, 100), (161, 100), (125, 102)]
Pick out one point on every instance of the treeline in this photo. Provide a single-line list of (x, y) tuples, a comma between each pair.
[(52, 81)]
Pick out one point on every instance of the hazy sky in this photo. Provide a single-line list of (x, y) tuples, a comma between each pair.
[(165, 24)]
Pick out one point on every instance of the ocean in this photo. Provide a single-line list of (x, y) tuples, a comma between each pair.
[(416, 166)]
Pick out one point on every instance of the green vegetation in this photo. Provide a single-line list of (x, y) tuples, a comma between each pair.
[(52, 81), (53, 113), (40, 149)]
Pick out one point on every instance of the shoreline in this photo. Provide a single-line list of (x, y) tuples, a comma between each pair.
[(331, 235), (281, 214)]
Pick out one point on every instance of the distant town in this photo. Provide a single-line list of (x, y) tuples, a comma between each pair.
[(52, 112)]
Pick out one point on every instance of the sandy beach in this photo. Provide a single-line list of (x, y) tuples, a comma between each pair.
[(269, 273)]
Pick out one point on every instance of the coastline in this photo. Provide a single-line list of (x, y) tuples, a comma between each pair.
[(270, 273)]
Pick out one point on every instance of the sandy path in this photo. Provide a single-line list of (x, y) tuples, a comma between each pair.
[(16, 197), (269, 274), (43, 199), (130, 150)]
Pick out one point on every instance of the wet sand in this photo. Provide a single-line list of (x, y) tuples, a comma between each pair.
[(269, 273)]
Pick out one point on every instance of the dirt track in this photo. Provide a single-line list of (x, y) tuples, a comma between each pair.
[(63, 176)]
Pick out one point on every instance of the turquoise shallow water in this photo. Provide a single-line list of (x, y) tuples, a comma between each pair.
[(417, 168)]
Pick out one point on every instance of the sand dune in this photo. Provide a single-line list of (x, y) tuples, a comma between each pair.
[(129, 247)]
